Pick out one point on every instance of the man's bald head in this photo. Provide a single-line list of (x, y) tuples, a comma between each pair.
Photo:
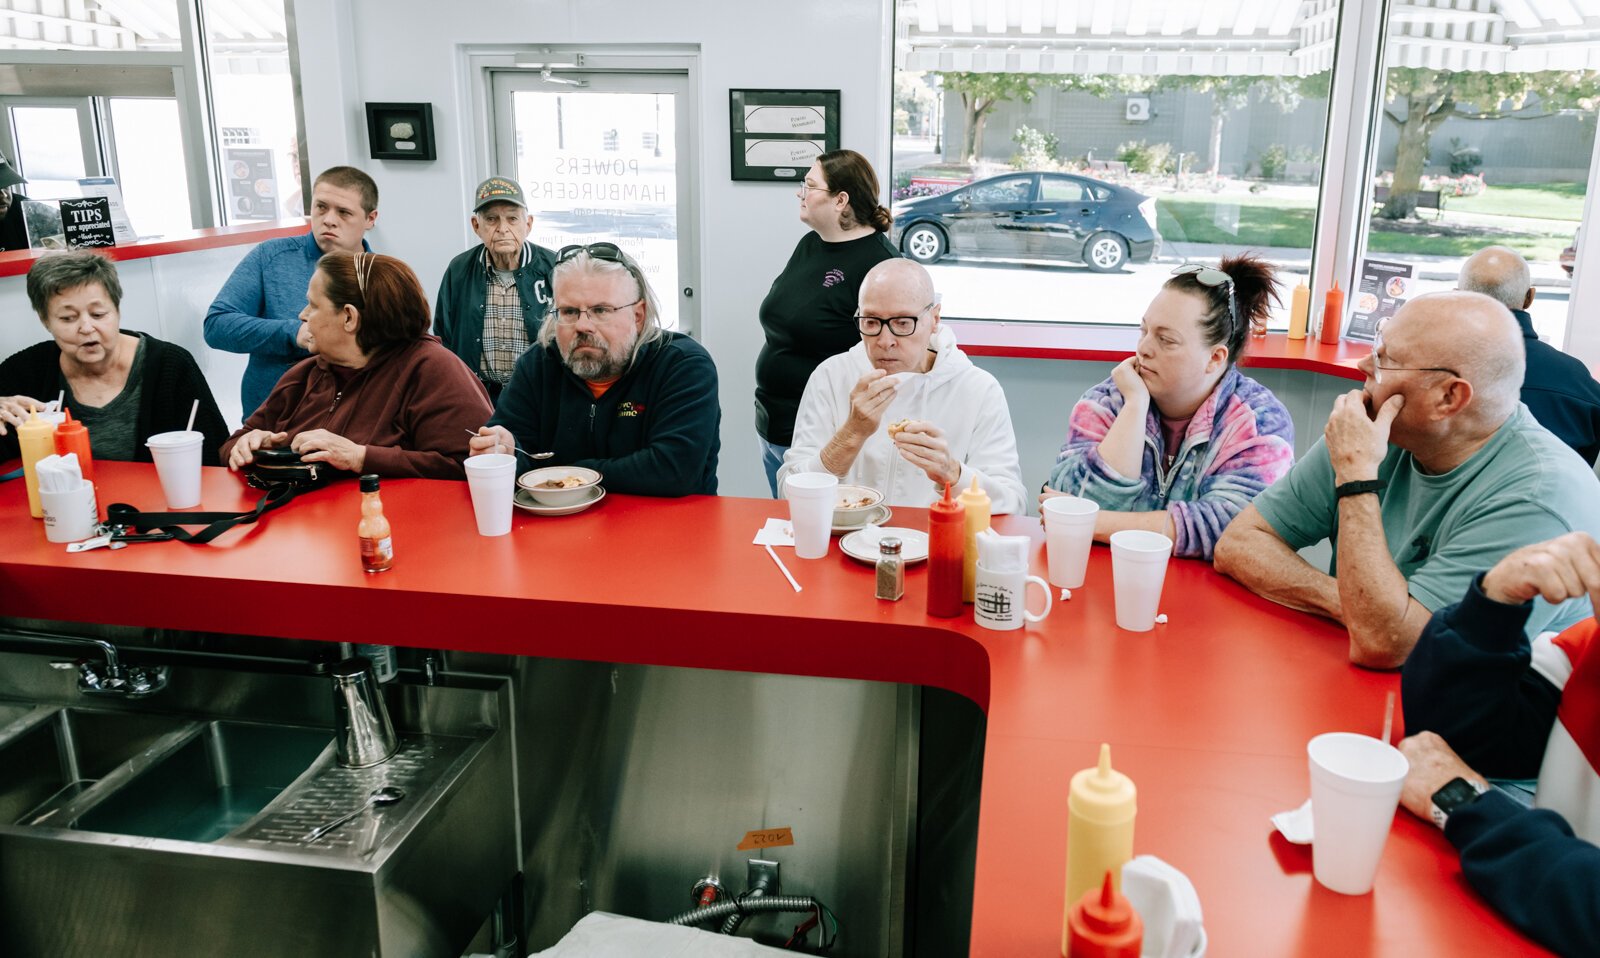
[(1499, 273), (1471, 334), (899, 281)]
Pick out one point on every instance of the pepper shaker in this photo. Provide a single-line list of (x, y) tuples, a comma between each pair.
[(891, 570)]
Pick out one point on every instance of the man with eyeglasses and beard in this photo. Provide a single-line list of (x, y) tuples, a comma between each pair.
[(1429, 474), (605, 387), (905, 411)]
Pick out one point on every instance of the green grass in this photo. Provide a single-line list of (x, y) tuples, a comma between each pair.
[(1545, 201), (1267, 222)]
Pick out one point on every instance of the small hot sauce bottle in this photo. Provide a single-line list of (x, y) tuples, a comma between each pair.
[(377, 550)]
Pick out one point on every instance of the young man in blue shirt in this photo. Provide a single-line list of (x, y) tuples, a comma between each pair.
[(258, 309)]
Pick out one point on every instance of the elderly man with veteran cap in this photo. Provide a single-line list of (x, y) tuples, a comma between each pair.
[(605, 387), (494, 295), (1431, 473), (904, 410), (13, 233)]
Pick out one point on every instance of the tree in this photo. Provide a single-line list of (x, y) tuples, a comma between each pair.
[(913, 98), (1229, 93), (980, 93), (1432, 96)]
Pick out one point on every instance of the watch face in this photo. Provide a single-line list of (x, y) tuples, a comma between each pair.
[(1456, 793)]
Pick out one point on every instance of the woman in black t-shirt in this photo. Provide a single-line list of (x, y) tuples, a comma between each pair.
[(809, 314)]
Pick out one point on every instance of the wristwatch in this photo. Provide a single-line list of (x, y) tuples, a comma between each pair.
[(1455, 793), (1359, 487)]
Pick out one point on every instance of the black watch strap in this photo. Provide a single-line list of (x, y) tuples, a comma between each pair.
[(1455, 793), (1359, 487)]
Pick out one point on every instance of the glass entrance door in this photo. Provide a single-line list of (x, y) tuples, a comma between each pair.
[(605, 157)]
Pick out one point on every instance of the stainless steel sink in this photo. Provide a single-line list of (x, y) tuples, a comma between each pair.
[(154, 832), (210, 785), (62, 753)]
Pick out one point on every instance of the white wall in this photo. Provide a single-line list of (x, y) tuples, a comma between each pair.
[(354, 51)]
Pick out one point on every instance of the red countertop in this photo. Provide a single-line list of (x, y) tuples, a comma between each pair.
[(1209, 714), (1113, 344), (18, 262)]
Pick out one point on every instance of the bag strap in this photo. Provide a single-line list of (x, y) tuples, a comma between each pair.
[(216, 523)]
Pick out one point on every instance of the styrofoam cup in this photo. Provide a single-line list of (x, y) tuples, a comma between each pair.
[(811, 496), (1068, 537), (1138, 570), (177, 456), (1355, 786), (492, 480), (70, 515)]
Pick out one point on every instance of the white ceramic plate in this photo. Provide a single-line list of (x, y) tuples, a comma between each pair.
[(879, 514), (913, 545), (524, 501)]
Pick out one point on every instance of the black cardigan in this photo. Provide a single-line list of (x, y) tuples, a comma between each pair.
[(172, 380)]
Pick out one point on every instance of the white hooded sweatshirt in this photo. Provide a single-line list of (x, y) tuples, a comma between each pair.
[(965, 402)]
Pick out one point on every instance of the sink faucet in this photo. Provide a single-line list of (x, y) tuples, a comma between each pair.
[(111, 677)]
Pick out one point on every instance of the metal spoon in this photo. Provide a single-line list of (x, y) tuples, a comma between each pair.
[(383, 795), (530, 455)]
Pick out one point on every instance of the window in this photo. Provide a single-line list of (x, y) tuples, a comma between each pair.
[(1486, 137), (1164, 133), (252, 98), (149, 155)]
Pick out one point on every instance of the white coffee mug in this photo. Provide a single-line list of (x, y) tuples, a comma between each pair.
[(71, 515), (1000, 599)]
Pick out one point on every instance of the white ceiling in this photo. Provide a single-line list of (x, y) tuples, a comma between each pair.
[(1248, 37)]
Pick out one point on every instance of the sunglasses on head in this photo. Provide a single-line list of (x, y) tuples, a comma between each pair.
[(1213, 277), (610, 252)]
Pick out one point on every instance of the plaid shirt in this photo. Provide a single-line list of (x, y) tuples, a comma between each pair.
[(505, 338)]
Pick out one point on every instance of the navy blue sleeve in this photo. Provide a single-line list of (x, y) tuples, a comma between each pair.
[(1533, 870), (1469, 679)]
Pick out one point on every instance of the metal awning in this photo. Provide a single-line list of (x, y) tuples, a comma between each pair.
[(1236, 37)]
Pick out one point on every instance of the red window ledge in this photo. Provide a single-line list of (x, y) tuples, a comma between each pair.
[(1116, 343), (19, 262)]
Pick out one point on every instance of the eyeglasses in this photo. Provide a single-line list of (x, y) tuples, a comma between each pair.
[(898, 325), (1211, 276), (571, 315), (821, 189), (1378, 368)]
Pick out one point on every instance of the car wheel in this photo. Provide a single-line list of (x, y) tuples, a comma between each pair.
[(1105, 252), (923, 242)]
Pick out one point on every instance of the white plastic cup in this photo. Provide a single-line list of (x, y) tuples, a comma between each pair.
[(1355, 786), (71, 515), (811, 496), (1138, 570), (1068, 537), (492, 480), (177, 456)]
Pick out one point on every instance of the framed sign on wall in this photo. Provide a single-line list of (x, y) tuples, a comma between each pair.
[(776, 134), (400, 131)]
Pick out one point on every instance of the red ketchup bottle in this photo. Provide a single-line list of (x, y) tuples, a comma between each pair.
[(73, 436), (1103, 925), (947, 549)]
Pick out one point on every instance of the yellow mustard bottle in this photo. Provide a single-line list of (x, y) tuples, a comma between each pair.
[(976, 502), (1101, 804), (37, 437), (1299, 311)]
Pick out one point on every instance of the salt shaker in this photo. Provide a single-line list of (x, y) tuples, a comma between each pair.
[(891, 570)]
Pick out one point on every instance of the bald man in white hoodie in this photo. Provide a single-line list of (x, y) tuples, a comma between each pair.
[(905, 411)]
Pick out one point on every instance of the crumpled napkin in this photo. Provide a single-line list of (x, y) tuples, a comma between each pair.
[(1295, 825), (777, 532)]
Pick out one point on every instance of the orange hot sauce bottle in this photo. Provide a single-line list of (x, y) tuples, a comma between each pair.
[(73, 436), (377, 549), (947, 548)]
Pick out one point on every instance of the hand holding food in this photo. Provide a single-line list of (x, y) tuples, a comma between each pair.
[(923, 445), (869, 399)]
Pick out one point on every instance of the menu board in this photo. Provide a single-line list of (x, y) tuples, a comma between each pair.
[(252, 183), (1384, 287)]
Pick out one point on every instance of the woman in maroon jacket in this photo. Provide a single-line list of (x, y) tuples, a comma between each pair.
[(379, 394)]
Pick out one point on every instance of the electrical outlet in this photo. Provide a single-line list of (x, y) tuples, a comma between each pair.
[(763, 875)]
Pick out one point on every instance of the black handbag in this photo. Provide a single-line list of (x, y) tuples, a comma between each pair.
[(280, 473), (273, 467)]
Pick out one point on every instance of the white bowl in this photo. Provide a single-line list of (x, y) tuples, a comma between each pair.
[(861, 499), (568, 496)]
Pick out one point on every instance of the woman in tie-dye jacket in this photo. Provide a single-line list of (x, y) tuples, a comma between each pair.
[(1178, 441)]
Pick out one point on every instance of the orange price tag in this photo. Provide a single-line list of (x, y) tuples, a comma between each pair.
[(767, 838)]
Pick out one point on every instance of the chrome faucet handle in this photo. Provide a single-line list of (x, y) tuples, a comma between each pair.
[(142, 680), (129, 681)]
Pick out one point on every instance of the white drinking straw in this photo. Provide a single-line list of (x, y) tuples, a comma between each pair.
[(1388, 717), (783, 568), (61, 399), (192, 410)]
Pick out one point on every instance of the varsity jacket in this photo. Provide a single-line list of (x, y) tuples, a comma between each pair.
[(458, 312), (1513, 709)]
